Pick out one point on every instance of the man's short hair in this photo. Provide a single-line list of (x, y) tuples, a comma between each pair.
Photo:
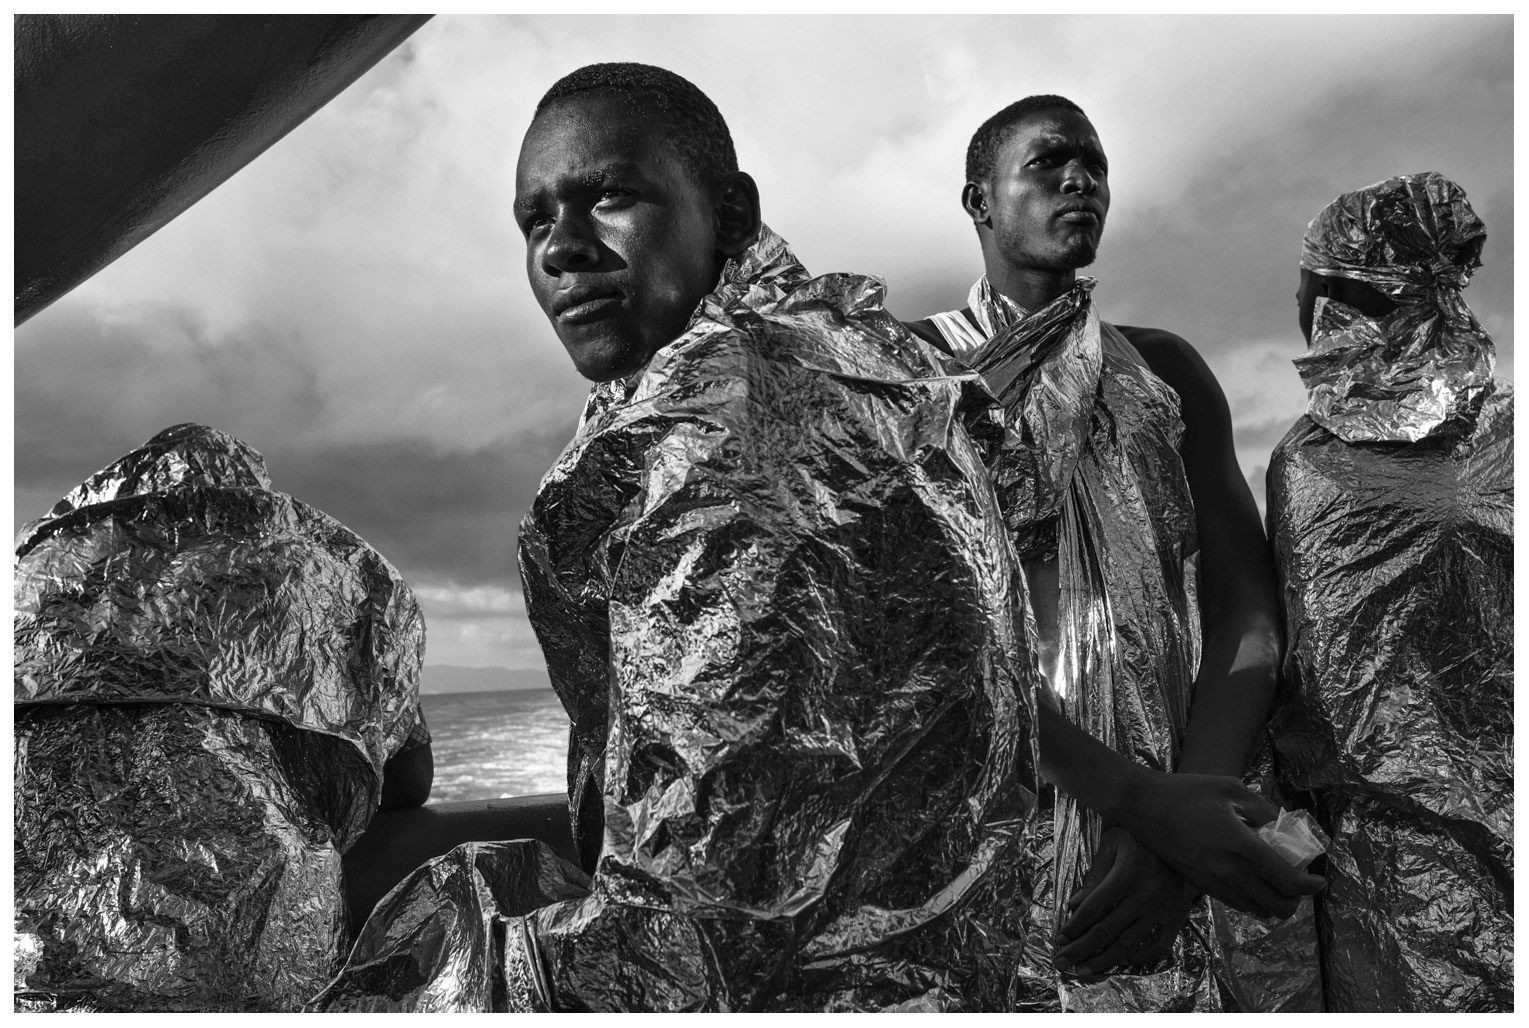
[(696, 129), (995, 132)]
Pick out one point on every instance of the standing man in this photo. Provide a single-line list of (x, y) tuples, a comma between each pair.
[(1391, 511), (775, 594), (1150, 575)]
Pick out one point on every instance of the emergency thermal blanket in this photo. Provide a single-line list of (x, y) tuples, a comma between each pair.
[(776, 599), (1090, 480), (1391, 510), (1403, 377), (435, 942), (209, 678)]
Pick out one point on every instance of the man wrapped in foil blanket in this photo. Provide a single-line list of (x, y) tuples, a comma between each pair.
[(776, 598), (216, 687), (1391, 512)]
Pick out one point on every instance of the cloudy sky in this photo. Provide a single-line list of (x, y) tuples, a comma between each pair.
[(353, 304)]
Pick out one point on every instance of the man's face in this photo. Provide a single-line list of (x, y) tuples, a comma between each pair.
[(1361, 296), (620, 238), (1049, 193)]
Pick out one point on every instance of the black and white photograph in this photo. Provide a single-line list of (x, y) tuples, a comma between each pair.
[(818, 512)]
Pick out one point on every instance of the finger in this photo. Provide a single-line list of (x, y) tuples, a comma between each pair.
[(1242, 890), (1104, 860), (1097, 904), (1118, 952), (1278, 873), (1262, 900), (1254, 808), (1293, 882), (1079, 894), (1103, 933)]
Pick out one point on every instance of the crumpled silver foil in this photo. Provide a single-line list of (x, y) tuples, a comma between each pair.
[(436, 942), (774, 594), (1273, 965), (209, 678), (1391, 510), (1396, 704), (775, 597), (1408, 375), (1089, 477)]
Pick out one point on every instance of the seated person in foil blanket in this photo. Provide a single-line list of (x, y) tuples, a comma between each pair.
[(216, 686), (1151, 580), (1391, 511), (774, 593)]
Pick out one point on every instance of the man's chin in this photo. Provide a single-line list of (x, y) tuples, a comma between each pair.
[(1069, 257), (606, 360), (601, 371), (1080, 256)]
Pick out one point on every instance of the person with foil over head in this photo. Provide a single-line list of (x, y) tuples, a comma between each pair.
[(1152, 584), (217, 686), (775, 595), (1391, 512)]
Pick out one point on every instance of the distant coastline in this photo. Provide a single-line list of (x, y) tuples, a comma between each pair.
[(441, 679)]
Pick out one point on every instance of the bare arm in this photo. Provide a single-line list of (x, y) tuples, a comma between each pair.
[(1238, 591), (1195, 821)]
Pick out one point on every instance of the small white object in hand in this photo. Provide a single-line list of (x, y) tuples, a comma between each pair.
[(1296, 836)]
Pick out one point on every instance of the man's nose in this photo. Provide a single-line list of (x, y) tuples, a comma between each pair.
[(571, 246), (1077, 179)]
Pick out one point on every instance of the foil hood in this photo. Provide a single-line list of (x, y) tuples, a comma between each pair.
[(1425, 366), (209, 679)]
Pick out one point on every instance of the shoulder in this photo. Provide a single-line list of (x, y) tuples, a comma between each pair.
[(1172, 359), (1169, 355)]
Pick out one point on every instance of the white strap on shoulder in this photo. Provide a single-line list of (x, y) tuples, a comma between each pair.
[(963, 337)]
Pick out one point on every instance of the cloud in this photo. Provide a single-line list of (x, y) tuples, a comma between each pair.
[(437, 512), (90, 385), (1258, 482), (1221, 260), (481, 642), (477, 626), (454, 601), (353, 304)]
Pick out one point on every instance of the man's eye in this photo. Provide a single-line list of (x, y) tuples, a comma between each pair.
[(612, 194)]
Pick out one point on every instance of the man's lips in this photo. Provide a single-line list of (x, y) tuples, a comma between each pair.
[(578, 306), (1081, 214)]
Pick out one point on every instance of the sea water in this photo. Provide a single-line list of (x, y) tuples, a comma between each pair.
[(489, 745)]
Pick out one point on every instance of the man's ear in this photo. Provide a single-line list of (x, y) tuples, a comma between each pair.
[(974, 202), (738, 218)]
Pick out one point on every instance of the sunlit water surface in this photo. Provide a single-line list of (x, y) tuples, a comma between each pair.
[(495, 744)]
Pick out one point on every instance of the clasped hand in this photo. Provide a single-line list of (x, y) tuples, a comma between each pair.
[(1127, 911), (1183, 834), (1201, 827)]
